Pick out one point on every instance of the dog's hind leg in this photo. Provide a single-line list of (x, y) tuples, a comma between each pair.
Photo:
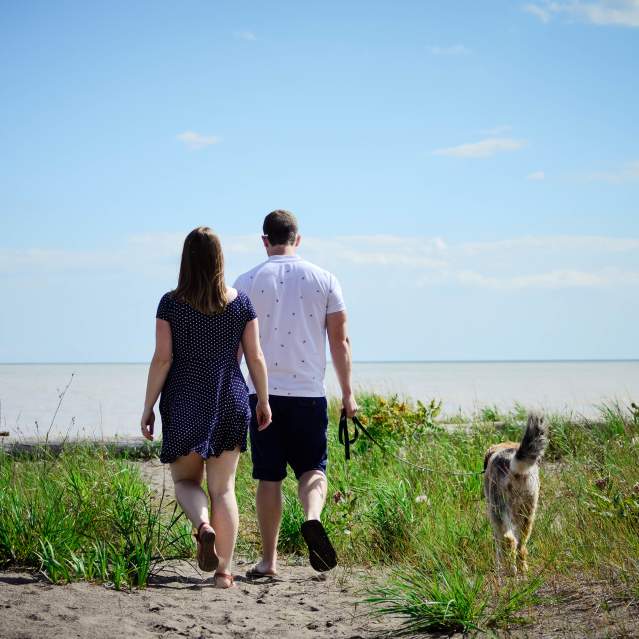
[(505, 547), (508, 550), (526, 523), (499, 560)]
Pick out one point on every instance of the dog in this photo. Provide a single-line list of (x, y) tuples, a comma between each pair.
[(511, 488)]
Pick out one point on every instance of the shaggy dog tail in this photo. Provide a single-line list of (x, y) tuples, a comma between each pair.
[(532, 445)]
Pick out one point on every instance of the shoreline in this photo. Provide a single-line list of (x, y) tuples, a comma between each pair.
[(586, 360), (104, 400)]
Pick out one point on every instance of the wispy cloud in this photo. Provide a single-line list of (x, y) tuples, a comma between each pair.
[(535, 262), (623, 13), (536, 176), (455, 49), (538, 10), (195, 141), (482, 149), (245, 35), (561, 244), (551, 279), (627, 173), (382, 250)]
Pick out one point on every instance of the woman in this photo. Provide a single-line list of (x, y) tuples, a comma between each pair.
[(204, 404)]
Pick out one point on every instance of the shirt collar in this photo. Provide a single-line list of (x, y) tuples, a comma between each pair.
[(284, 258)]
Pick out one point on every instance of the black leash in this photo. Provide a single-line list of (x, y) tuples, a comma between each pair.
[(346, 441)]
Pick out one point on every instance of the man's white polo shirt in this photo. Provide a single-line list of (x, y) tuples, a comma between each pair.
[(292, 298)]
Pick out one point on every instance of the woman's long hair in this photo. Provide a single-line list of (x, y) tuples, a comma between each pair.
[(201, 281)]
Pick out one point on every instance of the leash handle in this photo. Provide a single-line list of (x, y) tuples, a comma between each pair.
[(344, 436), (346, 441)]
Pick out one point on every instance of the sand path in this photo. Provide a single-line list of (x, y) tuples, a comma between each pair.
[(182, 603), (299, 604)]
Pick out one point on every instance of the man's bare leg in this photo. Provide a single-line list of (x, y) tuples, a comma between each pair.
[(312, 489), (269, 516)]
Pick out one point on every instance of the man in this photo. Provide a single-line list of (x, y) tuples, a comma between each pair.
[(298, 304)]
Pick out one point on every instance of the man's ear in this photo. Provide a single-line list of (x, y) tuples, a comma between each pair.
[(265, 241), (298, 239)]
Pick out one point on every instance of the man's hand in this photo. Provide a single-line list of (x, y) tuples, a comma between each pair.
[(350, 405)]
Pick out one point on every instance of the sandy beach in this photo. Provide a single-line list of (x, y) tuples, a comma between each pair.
[(182, 602), (179, 602)]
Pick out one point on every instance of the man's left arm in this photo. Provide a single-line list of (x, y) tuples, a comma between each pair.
[(340, 345)]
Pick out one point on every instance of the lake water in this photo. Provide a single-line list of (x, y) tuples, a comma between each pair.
[(107, 399)]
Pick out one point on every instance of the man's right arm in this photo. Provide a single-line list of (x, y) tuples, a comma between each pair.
[(341, 355)]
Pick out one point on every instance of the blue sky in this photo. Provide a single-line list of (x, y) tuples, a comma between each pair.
[(470, 171)]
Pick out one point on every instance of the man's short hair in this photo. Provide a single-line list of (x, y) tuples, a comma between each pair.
[(280, 227)]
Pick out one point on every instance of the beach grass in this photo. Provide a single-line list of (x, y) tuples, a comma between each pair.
[(88, 514)]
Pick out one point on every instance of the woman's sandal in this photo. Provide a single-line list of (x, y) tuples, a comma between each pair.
[(207, 559), (225, 575)]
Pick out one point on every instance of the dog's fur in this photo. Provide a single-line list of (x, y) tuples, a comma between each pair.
[(511, 487)]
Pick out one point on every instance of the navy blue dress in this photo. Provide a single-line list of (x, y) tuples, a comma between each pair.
[(204, 402)]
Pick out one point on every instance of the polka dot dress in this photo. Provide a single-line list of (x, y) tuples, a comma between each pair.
[(204, 402)]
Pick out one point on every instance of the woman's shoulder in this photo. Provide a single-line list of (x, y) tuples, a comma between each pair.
[(239, 295), (165, 308), (169, 297), (245, 297), (243, 302)]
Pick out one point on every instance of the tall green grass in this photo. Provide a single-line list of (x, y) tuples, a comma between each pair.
[(84, 515), (431, 526), (88, 514)]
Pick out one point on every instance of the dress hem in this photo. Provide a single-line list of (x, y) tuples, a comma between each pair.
[(213, 453)]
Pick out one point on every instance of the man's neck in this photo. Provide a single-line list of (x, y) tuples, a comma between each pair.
[(280, 249)]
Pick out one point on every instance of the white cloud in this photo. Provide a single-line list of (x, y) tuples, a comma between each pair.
[(551, 279), (380, 250), (585, 244), (482, 149), (536, 176), (538, 11), (535, 262), (455, 49), (195, 141), (245, 35), (627, 173), (603, 12)]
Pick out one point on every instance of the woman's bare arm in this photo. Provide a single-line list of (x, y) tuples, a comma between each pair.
[(257, 369), (158, 370)]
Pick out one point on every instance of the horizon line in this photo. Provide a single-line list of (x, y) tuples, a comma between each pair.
[(378, 361)]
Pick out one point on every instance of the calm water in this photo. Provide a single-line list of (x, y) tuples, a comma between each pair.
[(107, 399)]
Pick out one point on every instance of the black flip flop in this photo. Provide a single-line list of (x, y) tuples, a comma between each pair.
[(321, 553)]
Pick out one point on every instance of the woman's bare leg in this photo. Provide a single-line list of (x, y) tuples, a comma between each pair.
[(220, 476), (187, 473)]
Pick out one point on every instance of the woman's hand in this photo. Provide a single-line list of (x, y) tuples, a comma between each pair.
[(263, 414), (147, 422)]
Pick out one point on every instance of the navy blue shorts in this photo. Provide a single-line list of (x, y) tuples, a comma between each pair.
[(296, 436)]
